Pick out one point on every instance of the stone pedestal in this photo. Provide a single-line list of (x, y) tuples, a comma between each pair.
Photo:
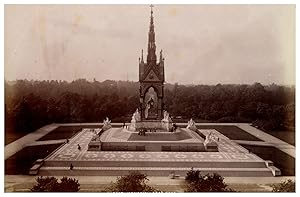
[(210, 144), (95, 144), (166, 125), (137, 123), (211, 147), (132, 126)]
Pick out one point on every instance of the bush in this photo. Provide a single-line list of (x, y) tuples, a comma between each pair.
[(45, 184), (51, 184), (69, 185), (192, 176), (284, 186), (195, 182), (134, 182)]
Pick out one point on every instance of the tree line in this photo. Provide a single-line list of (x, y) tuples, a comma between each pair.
[(32, 104)]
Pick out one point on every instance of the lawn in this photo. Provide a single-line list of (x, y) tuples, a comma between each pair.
[(281, 160), (287, 136), (22, 161), (250, 187), (232, 132), (65, 132)]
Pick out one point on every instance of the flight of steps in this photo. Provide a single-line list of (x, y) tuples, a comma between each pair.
[(155, 168)]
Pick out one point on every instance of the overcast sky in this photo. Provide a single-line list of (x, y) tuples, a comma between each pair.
[(202, 44)]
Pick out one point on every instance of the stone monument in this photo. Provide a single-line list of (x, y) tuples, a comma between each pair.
[(150, 114), (151, 79)]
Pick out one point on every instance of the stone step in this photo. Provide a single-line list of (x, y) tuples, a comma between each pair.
[(208, 164), (152, 171)]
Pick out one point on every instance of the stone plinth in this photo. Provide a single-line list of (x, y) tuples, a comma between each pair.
[(94, 146), (95, 143), (211, 147), (157, 125), (181, 140)]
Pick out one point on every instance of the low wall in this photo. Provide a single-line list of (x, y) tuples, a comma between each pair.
[(153, 146), (151, 124)]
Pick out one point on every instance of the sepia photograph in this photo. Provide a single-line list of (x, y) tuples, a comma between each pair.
[(179, 98)]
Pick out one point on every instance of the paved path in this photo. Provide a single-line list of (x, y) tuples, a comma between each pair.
[(256, 143), (19, 144), (47, 142), (153, 179), (281, 145), (224, 143)]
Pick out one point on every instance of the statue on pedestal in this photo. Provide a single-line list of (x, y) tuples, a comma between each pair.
[(208, 138), (149, 107), (210, 143), (136, 117), (167, 117), (191, 125), (167, 121), (106, 124)]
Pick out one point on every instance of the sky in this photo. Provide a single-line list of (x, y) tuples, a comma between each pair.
[(202, 44)]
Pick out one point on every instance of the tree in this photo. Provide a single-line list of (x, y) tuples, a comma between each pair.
[(32, 104), (195, 182), (69, 185), (192, 176), (134, 182), (45, 184), (284, 186), (51, 184)]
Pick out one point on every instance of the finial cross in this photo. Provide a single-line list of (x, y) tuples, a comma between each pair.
[(151, 6)]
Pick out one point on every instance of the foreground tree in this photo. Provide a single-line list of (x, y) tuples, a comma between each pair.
[(284, 186), (134, 182), (45, 184), (195, 182), (69, 185), (51, 184)]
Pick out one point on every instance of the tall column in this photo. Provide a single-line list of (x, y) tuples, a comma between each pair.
[(159, 104), (142, 108)]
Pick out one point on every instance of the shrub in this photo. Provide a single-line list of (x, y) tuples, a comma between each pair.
[(69, 185), (45, 184), (134, 182), (51, 184), (195, 182), (284, 186)]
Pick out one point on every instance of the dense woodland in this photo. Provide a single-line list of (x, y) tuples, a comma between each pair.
[(32, 104)]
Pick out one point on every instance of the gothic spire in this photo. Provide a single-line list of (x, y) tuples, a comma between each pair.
[(151, 57), (160, 56)]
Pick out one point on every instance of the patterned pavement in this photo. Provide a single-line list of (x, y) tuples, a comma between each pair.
[(224, 143), (229, 151)]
